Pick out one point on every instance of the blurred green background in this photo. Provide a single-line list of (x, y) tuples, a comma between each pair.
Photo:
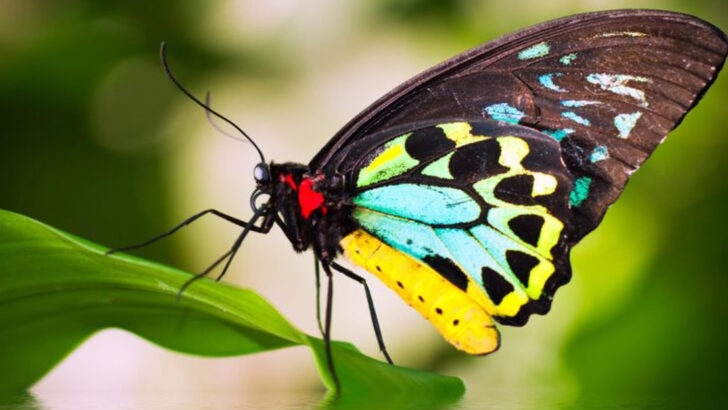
[(95, 141)]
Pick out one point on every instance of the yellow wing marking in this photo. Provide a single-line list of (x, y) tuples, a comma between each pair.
[(462, 318), (461, 133), (513, 151), (392, 161)]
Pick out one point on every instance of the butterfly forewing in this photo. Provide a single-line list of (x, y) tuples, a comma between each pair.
[(608, 86)]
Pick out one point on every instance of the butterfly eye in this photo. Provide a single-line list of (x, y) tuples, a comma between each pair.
[(261, 174)]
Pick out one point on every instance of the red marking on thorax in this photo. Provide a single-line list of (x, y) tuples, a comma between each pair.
[(309, 199), (289, 179)]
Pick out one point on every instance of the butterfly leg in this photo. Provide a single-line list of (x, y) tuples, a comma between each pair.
[(318, 294), (201, 274), (187, 222), (229, 255), (370, 302), (327, 326)]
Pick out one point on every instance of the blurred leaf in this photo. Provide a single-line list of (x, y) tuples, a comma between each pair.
[(605, 287), (56, 290), (414, 10), (667, 343)]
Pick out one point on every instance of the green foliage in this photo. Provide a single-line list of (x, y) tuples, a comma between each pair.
[(667, 342), (56, 290), (645, 312)]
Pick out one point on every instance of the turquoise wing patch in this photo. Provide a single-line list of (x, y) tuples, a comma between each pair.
[(434, 205), (481, 264), (415, 239)]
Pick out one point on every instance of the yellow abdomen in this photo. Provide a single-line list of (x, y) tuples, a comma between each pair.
[(462, 317)]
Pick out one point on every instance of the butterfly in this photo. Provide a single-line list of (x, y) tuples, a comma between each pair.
[(465, 188)]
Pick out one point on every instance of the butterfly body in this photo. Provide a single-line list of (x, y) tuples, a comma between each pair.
[(465, 188), (488, 168), (485, 204)]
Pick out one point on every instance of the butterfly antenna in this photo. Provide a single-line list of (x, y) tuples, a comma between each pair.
[(215, 126), (163, 56)]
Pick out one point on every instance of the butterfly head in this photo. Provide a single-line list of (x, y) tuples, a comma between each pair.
[(261, 173)]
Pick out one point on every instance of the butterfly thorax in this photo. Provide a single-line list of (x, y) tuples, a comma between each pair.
[(312, 206)]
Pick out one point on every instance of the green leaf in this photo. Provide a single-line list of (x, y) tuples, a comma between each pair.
[(56, 290)]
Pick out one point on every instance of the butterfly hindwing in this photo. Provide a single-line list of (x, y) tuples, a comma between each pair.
[(477, 202)]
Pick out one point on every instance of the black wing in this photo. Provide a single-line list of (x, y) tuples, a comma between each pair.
[(608, 85)]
